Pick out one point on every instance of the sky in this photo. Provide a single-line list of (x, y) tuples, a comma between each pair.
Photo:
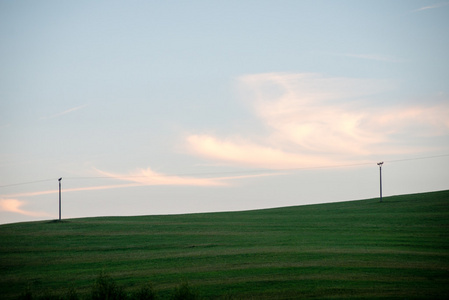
[(172, 107)]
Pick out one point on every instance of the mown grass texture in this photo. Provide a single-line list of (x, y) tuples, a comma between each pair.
[(358, 249)]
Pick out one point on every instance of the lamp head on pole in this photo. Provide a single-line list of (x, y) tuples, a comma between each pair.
[(60, 179), (380, 163)]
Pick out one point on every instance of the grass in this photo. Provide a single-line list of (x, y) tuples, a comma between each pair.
[(398, 249)]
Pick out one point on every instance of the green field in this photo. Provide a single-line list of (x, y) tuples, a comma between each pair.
[(398, 249)]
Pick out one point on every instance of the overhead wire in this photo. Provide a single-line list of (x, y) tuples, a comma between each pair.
[(24, 183), (416, 158), (262, 170), (228, 172)]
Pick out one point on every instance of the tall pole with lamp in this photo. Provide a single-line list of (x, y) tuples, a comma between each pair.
[(59, 180), (380, 173)]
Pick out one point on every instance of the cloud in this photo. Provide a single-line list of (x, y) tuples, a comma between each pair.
[(147, 177), (368, 56), (65, 112), (246, 153), (375, 57), (13, 205), (70, 190), (437, 5), (150, 177), (312, 120), (429, 120)]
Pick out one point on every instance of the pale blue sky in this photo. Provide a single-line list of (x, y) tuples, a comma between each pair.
[(161, 107)]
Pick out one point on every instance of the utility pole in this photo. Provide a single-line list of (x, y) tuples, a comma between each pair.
[(59, 180), (380, 173)]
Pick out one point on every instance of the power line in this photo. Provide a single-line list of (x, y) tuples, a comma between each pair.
[(221, 173), (232, 172), (24, 183), (416, 158)]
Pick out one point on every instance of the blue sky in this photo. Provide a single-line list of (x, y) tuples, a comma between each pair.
[(148, 107)]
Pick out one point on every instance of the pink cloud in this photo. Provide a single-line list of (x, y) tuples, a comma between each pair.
[(14, 206), (150, 177), (423, 120), (68, 190), (141, 177), (312, 120), (241, 152), (147, 177)]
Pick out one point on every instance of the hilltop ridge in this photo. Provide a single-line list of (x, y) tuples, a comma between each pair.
[(354, 249)]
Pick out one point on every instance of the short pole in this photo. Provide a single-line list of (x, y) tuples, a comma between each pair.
[(59, 180), (380, 173)]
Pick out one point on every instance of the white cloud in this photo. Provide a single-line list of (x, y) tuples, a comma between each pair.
[(376, 57), (317, 121), (73, 109), (368, 56), (436, 5)]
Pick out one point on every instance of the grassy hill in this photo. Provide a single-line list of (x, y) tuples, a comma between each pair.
[(357, 249)]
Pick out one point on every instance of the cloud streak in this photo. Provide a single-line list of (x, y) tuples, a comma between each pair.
[(70, 190), (312, 120), (148, 177), (376, 57), (368, 56), (65, 112), (250, 154), (14, 206), (437, 5)]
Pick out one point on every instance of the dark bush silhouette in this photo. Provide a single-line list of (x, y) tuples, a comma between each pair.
[(72, 294), (185, 292), (26, 295), (106, 289), (146, 292)]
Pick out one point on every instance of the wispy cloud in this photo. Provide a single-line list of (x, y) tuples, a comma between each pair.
[(70, 190), (237, 150), (14, 206), (436, 5), (149, 177), (370, 56), (142, 177), (376, 57), (146, 177), (65, 112), (313, 121)]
